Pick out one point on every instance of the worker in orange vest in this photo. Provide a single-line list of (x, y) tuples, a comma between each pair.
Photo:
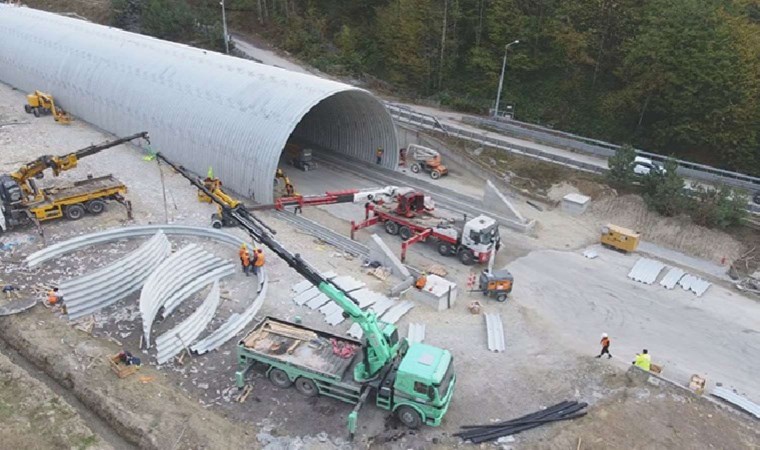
[(245, 259), (421, 281), (258, 261), (605, 346), (379, 153), (54, 298)]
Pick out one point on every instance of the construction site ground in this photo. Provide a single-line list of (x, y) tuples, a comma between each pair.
[(561, 304)]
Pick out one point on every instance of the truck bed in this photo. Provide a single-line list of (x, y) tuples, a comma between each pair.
[(301, 346), (421, 220), (82, 188)]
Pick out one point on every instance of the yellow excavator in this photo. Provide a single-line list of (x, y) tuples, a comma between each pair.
[(39, 103), (22, 202)]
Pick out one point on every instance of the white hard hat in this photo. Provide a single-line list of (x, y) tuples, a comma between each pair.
[(604, 335)]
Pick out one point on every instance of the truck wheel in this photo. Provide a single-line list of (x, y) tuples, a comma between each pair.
[(467, 257), (96, 207), (279, 378), (501, 298), (391, 227), (307, 387), (415, 168), (444, 248), (434, 174), (28, 109), (405, 233), (409, 416), (74, 212), (36, 112)]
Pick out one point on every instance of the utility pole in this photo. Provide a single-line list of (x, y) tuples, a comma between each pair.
[(224, 28), (501, 80)]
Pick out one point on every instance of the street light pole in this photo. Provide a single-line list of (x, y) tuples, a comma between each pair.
[(501, 80), (224, 27)]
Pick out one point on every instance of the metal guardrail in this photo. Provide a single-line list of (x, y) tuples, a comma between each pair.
[(600, 148), (571, 142), (431, 123)]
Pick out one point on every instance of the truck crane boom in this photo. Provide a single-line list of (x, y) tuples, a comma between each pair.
[(380, 194), (379, 350), (36, 168)]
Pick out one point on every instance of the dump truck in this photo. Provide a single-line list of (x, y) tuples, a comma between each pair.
[(413, 380), (22, 202)]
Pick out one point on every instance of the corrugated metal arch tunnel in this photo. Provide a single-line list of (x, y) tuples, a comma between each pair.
[(201, 108)]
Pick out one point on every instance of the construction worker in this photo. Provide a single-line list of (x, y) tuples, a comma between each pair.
[(402, 157), (379, 154), (643, 360), (421, 281), (10, 290), (605, 346), (245, 259), (54, 298), (258, 261)]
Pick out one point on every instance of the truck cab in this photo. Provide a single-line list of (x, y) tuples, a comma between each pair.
[(422, 386), (481, 236)]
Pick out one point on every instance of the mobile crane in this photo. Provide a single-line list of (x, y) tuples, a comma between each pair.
[(22, 202), (411, 217), (415, 381)]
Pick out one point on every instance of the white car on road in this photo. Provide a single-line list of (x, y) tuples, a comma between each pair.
[(643, 166)]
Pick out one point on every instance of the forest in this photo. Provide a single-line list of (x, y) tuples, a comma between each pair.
[(677, 77)]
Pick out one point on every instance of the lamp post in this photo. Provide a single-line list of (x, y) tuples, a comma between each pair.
[(224, 28), (501, 80)]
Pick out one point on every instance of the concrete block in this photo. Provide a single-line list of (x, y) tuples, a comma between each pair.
[(380, 252), (438, 293), (575, 204), (396, 290), (499, 204)]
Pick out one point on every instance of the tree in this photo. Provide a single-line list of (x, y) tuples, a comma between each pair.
[(621, 166), (722, 207), (663, 190)]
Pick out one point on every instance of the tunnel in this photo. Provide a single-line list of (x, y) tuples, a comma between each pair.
[(201, 108)]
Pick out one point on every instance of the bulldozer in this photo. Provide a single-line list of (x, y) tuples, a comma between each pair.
[(39, 103), (424, 159)]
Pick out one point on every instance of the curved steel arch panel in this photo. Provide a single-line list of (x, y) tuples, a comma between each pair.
[(201, 108)]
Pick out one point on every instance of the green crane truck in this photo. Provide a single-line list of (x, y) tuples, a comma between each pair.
[(415, 381)]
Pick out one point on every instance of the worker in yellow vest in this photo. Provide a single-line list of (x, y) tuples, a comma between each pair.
[(643, 360)]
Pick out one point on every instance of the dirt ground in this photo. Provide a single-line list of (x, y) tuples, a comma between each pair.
[(194, 405), (34, 417)]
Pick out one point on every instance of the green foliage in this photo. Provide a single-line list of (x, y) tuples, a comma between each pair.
[(676, 76), (621, 166), (174, 20), (721, 208), (663, 190)]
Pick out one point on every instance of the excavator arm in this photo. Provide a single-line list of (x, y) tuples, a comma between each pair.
[(379, 351), (58, 164)]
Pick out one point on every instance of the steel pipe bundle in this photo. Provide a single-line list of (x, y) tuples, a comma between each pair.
[(561, 411)]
